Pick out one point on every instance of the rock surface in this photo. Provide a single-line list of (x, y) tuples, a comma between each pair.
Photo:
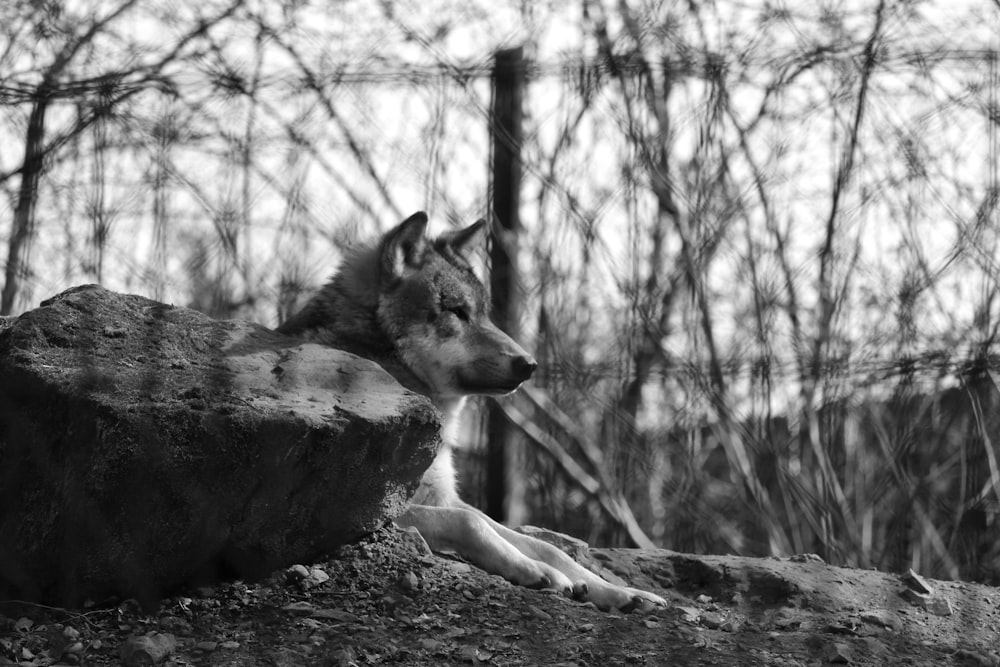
[(143, 446)]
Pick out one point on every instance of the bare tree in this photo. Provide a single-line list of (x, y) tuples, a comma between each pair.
[(59, 80), (753, 237), (34, 143)]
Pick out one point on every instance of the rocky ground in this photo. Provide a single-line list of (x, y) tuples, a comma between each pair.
[(385, 601)]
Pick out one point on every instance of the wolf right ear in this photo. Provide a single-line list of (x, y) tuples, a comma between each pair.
[(403, 246), (467, 241)]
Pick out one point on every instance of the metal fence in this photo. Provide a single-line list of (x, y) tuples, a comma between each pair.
[(737, 222)]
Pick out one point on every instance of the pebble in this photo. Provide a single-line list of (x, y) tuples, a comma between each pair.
[(147, 650), (786, 618), (432, 645), (299, 607), (881, 617), (409, 582), (314, 578), (807, 558), (711, 620), (539, 613), (976, 658), (690, 614), (64, 641), (941, 606), (935, 604), (838, 654), (917, 583)]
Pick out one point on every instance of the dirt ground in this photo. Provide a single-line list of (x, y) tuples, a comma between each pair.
[(385, 601)]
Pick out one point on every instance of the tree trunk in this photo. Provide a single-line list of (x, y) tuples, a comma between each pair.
[(24, 215)]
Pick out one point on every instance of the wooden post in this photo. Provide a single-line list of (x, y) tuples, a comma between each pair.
[(504, 491)]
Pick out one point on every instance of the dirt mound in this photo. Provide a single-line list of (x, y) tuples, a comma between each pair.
[(385, 601)]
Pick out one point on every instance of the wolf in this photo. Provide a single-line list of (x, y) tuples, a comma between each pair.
[(415, 306)]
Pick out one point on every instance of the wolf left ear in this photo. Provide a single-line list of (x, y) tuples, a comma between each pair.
[(403, 246), (466, 241)]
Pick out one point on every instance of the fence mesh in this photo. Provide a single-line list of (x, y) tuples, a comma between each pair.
[(759, 255)]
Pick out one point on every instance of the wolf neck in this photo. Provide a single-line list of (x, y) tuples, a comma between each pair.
[(451, 413), (384, 354)]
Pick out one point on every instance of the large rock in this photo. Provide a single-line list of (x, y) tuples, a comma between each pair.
[(143, 446)]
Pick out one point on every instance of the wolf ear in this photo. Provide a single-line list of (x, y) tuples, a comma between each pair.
[(403, 246), (466, 241)]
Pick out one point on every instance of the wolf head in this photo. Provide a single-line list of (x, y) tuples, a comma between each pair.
[(432, 312)]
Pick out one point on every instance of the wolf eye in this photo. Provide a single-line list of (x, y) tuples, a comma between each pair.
[(460, 312)]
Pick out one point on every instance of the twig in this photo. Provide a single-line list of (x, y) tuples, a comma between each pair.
[(612, 503), (73, 614)]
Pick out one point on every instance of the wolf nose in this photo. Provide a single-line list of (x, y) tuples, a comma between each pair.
[(523, 367)]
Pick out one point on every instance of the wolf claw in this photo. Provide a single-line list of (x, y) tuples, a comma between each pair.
[(643, 605)]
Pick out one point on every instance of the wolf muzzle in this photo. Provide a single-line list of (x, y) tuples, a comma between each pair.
[(523, 367)]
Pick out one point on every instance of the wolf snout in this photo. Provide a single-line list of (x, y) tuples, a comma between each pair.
[(523, 367)]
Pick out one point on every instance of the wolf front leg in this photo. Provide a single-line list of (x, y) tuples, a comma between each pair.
[(587, 585), (518, 558), (470, 533)]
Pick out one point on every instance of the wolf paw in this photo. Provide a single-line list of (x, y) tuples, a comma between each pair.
[(608, 596), (540, 576)]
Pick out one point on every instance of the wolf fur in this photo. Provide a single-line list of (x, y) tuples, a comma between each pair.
[(416, 307)]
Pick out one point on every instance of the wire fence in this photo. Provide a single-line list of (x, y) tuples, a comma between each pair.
[(752, 258)]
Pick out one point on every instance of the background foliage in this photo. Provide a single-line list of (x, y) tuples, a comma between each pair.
[(759, 255)]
